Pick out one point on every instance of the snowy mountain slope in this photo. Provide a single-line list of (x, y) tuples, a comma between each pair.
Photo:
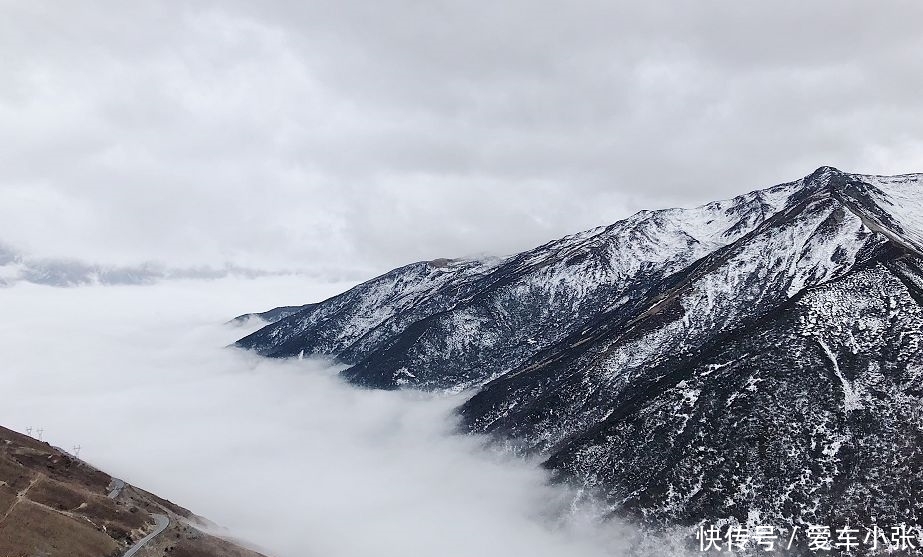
[(453, 324), (901, 206), (810, 415), (757, 357), (811, 242)]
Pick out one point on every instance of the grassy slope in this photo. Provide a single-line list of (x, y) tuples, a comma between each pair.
[(52, 504)]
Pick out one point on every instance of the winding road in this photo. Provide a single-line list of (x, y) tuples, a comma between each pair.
[(162, 522), (116, 486)]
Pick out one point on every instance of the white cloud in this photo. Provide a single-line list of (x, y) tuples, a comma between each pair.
[(282, 453)]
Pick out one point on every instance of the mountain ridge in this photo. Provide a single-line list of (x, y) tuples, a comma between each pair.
[(516, 266), (752, 207)]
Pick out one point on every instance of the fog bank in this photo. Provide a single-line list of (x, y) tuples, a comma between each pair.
[(283, 454)]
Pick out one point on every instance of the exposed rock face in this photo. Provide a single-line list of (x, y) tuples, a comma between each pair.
[(757, 359)]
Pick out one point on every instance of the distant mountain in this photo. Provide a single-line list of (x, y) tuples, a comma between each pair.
[(55, 505), (63, 272), (755, 360), (271, 316)]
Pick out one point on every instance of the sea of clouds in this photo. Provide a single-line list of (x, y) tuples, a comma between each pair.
[(282, 454)]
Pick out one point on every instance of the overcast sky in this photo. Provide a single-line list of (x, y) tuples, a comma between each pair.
[(295, 134)]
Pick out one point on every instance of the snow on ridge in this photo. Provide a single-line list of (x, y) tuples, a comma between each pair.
[(715, 302), (902, 198)]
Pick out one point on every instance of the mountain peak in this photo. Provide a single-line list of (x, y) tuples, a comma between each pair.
[(825, 177), (826, 170)]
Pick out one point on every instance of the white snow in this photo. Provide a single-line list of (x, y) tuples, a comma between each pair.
[(851, 400)]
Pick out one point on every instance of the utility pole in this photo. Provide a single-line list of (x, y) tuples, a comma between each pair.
[(39, 432), (77, 451), (29, 431)]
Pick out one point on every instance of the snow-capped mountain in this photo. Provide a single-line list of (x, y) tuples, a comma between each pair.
[(751, 360)]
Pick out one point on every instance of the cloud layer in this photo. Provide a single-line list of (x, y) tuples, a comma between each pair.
[(283, 454), (287, 134)]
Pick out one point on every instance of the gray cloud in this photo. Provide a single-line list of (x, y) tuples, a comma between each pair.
[(288, 134), (66, 272), (281, 453)]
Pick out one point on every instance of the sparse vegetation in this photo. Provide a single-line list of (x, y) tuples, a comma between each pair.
[(52, 504)]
